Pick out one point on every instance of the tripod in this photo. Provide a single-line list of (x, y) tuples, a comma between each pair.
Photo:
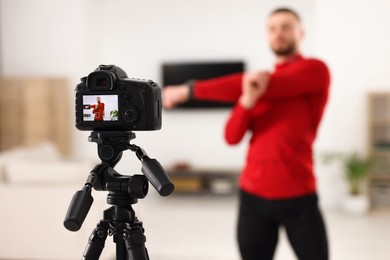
[(119, 220)]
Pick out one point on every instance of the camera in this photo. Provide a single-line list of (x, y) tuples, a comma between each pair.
[(107, 100)]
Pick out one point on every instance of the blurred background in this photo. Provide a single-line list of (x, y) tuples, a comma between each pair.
[(47, 46)]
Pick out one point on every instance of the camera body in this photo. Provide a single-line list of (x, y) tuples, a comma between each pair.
[(107, 100)]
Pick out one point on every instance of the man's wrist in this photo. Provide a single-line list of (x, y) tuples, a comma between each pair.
[(246, 102), (190, 84)]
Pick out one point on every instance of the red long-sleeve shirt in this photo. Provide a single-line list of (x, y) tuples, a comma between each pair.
[(283, 124), (98, 110)]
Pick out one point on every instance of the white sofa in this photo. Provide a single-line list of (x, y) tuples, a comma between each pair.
[(36, 187)]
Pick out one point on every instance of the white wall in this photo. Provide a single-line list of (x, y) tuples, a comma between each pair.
[(354, 41), (70, 38), (351, 36)]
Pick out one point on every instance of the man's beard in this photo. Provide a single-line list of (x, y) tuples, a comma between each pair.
[(285, 50)]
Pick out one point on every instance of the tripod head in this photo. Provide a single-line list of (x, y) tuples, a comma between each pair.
[(123, 190)]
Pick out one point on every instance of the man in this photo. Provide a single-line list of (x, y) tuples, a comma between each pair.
[(98, 110), (282, 109)]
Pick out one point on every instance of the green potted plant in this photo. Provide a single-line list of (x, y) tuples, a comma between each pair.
[(114, 115), (356, 169)]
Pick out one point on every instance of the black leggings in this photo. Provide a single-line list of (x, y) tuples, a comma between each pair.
[(259, 221)]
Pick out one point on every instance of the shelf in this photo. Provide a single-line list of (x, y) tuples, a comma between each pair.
[(379, 149), (380, 123), (380, 152), (204, 181), (378, 177)]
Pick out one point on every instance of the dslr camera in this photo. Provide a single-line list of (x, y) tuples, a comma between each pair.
[(107, 100)]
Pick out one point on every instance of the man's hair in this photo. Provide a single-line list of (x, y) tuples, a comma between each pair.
[(286, 10)]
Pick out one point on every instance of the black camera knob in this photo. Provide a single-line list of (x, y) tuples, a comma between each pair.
[(106, 152), (130, 114), (152, 83)]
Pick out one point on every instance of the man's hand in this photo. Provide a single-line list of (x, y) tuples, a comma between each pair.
[(254, 85), (174, 95)]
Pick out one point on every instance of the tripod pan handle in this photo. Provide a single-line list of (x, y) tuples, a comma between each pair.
[(78, 209), (155, 173)]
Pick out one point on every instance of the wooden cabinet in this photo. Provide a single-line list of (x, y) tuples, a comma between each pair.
[(204, 181), (379, 149), (34, 110)]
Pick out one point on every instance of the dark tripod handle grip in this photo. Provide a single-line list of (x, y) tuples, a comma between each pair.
[(78, 209), (155, 173)]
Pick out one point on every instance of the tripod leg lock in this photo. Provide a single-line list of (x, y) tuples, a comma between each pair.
[(96, 242), (135, 240), (134, 237)]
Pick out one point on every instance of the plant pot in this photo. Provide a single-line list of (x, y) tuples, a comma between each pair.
[(356, 204)]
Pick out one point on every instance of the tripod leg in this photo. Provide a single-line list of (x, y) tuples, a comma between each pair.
[(135, 241), (96, 242)]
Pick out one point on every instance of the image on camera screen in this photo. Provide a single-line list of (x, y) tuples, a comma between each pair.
[(100, 108)]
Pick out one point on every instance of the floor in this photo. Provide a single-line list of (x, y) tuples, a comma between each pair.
[(203, 227)]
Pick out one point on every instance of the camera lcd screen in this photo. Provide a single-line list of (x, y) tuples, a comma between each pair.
[(100, 108)]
